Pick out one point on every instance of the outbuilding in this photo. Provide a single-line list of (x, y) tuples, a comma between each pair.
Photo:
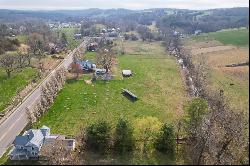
[(126, 73)]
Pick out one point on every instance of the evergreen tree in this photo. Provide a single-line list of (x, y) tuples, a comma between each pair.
[(97, 136), (123, 139), (165, 141)]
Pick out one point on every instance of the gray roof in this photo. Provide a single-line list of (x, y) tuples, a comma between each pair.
[(21, 140), (37, 138), (32, 137)]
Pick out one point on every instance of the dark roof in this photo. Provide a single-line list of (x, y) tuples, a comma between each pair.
[(21, 140)]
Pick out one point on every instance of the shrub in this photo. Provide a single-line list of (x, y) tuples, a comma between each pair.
[(97, 136), (195, 109), (165, 141), (146, 131), (123, 138)]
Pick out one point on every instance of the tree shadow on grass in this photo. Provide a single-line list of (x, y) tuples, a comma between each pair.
[(71, 81)]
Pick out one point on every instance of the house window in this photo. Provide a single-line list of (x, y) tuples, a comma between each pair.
[(32, 148)]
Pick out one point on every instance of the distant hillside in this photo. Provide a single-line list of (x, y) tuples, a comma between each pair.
[(184, 20), (59, 15)]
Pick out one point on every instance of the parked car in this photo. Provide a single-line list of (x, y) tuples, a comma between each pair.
[(100, 71)]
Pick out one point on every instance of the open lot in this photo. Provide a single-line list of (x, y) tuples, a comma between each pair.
[(157, 82)]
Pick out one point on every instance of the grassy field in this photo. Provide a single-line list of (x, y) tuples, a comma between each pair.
[(69, 32), (156, 81), (237, 37), (9, 87)]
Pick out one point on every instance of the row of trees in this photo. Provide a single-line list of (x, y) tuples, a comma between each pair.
[(48, 94), (126, 139)]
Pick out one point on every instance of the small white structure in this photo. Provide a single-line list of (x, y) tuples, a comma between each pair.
[(197, 32), (126, 73)]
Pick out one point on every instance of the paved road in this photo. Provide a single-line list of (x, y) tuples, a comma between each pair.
[(17, 120)]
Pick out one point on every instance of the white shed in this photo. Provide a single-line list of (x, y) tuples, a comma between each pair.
[(127, 73)]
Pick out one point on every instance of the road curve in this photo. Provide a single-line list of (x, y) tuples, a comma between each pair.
[(13, 124)]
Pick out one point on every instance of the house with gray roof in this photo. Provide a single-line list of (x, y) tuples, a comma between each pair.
[(28, 145)]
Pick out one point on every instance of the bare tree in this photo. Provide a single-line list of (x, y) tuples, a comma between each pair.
[(76, 68), (105, 58), (9, 63), (34, 40)]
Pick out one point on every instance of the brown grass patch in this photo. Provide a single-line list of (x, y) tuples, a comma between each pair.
[(241, 72)]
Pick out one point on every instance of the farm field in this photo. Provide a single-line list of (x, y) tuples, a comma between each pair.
[(9, 87), (237, 37), (157, 82), (233, 80)]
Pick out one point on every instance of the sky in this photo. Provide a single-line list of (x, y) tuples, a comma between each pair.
[(128, 4)]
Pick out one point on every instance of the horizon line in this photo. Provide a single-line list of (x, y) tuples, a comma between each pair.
[(76, 8)]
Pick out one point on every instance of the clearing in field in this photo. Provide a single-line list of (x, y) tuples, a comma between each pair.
[(156, 81)]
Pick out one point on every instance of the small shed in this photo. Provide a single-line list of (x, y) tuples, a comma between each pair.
[(129, 94), (126, 73)]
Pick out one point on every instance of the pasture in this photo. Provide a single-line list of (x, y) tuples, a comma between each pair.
[(157, 82), (237, 37)]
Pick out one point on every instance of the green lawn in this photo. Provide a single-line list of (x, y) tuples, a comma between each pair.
[(237, 37), (9, 87), (69, 32), (156, 81), (5, 157)]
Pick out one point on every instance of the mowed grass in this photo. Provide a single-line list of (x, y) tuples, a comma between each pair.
[(157, 83), (237, 37), (9, 87)]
